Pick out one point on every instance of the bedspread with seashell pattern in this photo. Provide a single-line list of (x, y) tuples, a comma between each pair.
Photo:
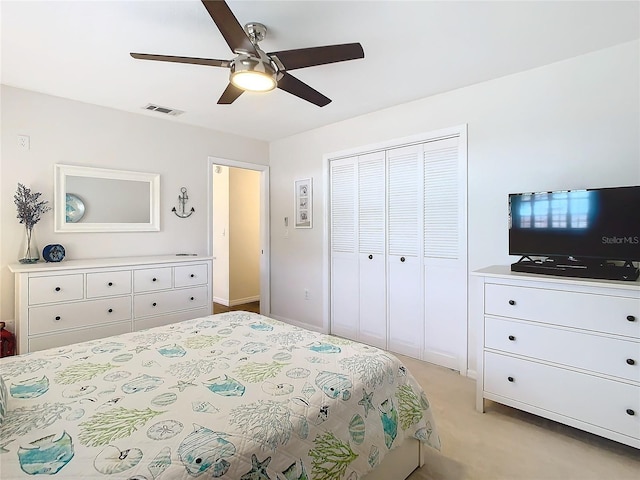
[(232, 396)]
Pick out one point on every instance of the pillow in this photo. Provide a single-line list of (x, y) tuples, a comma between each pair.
[(3, 400)]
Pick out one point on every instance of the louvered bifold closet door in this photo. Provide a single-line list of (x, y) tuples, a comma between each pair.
[(371, 248), (344, 248), (444, 236), (404, 233)]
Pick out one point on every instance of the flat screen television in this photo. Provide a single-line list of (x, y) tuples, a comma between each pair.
[(580, 232)]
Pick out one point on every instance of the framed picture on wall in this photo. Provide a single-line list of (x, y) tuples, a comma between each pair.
[(304, 200)]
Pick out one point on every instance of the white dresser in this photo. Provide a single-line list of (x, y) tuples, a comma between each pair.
[(78, 300), (567, 349)]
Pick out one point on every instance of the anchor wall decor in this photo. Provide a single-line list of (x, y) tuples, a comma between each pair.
[(182, 199)]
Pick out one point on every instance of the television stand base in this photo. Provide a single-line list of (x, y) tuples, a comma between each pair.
[(604, 271)]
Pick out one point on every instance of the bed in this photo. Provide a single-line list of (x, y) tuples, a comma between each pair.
[(233, 396)]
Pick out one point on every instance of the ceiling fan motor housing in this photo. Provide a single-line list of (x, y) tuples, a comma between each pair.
[(246, 64)]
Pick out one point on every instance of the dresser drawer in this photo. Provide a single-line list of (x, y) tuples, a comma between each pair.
[(172, 301), (600, 313), (190, 275), (58, 288), (606, 355), (52, 318), (106, 284), (609, 404), (75, 336), (151, 279)]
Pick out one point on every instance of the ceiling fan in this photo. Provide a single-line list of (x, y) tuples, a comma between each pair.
[(254, 70)]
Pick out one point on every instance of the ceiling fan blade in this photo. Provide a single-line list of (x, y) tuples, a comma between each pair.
[(169, 58), (291, 84), (308, 57), (229, 26), (230, 94)]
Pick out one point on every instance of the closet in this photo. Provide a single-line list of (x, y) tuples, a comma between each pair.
[(398, 248)]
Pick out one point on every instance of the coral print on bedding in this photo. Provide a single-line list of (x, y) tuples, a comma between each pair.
[(233, 396)]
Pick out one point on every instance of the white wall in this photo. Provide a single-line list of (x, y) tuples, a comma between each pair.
[(70, 132), (572, 124)]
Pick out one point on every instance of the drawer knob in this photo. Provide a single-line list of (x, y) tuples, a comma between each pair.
[(630, 412), (58, 289), (110, 310), (154, 304), (154, 279), (512, 302), (192, 298), (370, 257), (631, 361), (511, 379), (631, 318), (512, 338), (110, 284), (192, 275), (57, 318), (402, 259)]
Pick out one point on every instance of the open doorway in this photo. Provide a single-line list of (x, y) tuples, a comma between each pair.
[(238, 235)]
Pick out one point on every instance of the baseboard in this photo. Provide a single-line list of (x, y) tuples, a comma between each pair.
[(237, 301), (242, 301)]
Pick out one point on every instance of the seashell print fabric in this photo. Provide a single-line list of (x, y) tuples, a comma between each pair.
[(232, 396)]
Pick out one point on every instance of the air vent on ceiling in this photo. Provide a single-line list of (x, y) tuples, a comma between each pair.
[(168, 111)]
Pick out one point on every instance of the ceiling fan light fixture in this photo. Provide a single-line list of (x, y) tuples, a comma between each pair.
[(253, 74)]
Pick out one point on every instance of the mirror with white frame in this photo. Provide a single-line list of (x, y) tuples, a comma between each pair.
[(89, 199)]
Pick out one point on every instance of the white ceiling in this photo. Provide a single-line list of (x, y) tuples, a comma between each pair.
[(80, 50)]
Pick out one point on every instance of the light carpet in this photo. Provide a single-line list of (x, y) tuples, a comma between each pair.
[(507, 444)]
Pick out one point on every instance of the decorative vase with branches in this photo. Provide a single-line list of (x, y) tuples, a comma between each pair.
[(30, 209)]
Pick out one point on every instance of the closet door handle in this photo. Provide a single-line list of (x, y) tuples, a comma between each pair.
[(110, 284), (154, 279), (512, 302), (511, 379), (58, 289), (57, 318), (512, 338), (631, 318), (402, 259), (630, 412), (110, 310), (192, 298), (192, 275), (370, 257), (631, 361), (154, 304)]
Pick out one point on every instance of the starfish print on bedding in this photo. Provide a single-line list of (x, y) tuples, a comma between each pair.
[(366, 402), (258, 470), (182, 385)]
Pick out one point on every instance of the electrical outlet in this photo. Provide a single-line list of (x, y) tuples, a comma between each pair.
[(23, 142), (306, 294)]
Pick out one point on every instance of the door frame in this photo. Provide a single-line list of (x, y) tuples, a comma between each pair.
[(265, 265)]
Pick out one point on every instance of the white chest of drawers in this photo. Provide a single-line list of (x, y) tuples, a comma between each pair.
[(78, 300), (567, 349)]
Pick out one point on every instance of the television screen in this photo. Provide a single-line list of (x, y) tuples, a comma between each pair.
[(599, 223)]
